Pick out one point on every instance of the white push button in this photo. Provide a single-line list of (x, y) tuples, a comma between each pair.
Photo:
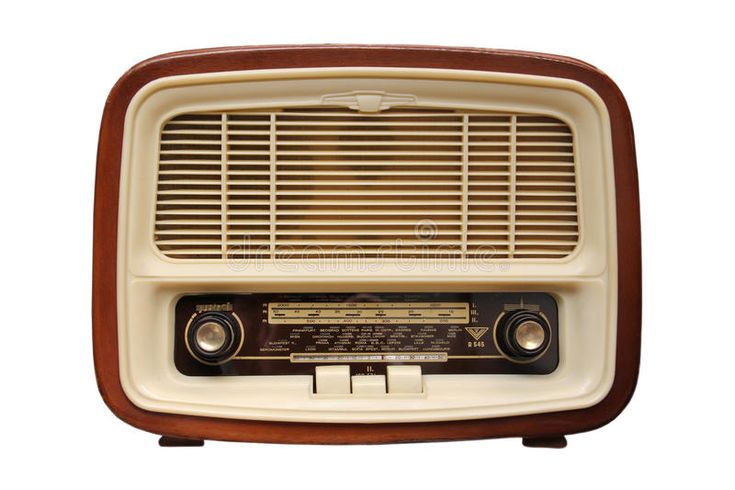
[(333, 380), (368, 385), (404, 379)]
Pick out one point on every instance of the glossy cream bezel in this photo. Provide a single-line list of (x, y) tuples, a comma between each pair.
[(584, 283)]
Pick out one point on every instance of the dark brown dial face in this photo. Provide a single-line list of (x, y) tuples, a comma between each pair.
[(445, 333)]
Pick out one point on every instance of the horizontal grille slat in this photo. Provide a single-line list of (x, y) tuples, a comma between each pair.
[(310, 182)]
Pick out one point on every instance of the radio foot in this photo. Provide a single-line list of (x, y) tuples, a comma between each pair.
[(166, 441), (548, 442)]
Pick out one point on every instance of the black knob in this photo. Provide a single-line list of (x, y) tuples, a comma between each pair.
[(522, 334), (213, 337)]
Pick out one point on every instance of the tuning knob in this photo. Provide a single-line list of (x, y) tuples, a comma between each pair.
[(213, 338), (522, 334)]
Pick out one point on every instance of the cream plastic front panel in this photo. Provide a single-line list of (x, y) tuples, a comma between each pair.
[(584, 283)]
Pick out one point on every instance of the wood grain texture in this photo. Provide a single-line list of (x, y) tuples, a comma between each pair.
[(104, 307)]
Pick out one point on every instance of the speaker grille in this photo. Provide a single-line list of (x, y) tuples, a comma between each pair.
[(313, 182)]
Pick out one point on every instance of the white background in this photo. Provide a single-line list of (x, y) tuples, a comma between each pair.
[(674, 62)]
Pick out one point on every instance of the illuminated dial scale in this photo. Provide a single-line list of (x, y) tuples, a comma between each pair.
[(445, 333), (368, 313)]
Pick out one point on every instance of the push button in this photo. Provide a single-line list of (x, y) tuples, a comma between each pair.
[(333, 380), (368, 385), (404, 380)]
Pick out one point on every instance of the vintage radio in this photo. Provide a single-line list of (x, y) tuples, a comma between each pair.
[(361, 244)]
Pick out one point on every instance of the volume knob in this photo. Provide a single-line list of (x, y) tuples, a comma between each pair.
[(213, 338), (522, 334)]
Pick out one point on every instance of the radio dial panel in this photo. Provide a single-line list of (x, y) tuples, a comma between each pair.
[(444, 333)]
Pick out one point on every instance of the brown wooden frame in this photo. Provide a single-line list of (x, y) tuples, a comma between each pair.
[(542, 427)]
